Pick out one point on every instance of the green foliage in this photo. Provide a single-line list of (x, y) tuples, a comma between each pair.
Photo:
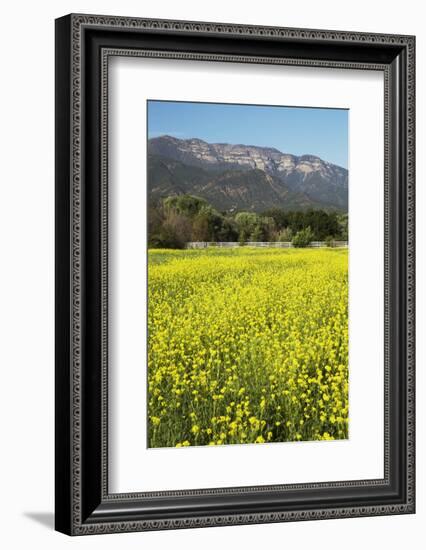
[(168, 227), (322, 223), (246, 224), (228, 231), (257, 234), (285, 235), (329, 241), (178, 219), (187, 205), (342, 221), (303, 238), (280, 217), (166, 238)]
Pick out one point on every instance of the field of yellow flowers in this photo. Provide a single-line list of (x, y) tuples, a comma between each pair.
[(247, 345)]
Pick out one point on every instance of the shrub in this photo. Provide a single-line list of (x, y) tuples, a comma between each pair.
[(303, 238), (285, 235), (329, 241), (166, 238)]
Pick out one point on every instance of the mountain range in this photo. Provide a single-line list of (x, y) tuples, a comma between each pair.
[(244, 177)]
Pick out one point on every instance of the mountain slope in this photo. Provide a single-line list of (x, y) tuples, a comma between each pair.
[(226, 190), (244, 176)]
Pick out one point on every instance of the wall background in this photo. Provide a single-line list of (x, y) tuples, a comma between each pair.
[(27, 263)]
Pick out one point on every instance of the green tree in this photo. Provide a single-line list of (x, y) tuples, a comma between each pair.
[(257, 233), (177, 219), (342, 221), (280, 217), (263, 229), (329, 241), (303, 237), (187, 205), (200, 228), (285, 235), (228, 231), (246, 223)]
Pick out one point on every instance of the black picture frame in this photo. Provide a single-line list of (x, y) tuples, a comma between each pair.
[(83, 45)]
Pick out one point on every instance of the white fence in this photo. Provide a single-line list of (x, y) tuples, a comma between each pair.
[(313, 244)]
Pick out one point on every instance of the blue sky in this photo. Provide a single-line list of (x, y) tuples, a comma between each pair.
[(295, 130)]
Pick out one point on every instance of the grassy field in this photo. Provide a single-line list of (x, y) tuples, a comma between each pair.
[(247, 345)]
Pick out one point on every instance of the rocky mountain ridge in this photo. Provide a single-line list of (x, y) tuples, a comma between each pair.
[(306, 181)]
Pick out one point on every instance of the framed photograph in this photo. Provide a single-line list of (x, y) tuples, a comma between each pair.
[(234, 274)]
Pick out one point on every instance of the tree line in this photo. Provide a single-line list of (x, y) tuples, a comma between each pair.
[(176, 220)]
